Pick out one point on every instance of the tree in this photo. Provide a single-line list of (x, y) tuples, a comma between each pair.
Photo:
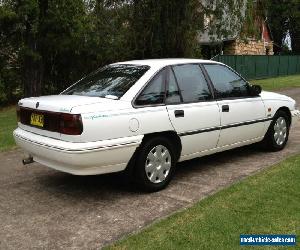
[(165, 28), (294, 26), (49, 39), (226, 17), (284, 17), (45, 45), (9, 64)]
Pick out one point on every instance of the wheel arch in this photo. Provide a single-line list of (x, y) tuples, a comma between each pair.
[(170, 135), (287, 111)]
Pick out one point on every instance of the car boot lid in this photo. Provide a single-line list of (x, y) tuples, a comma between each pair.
[(67, 103)]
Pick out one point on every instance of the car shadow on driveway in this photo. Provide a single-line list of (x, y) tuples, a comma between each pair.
[(102, 186)]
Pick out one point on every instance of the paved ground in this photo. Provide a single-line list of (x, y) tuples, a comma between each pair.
[(43, 208)]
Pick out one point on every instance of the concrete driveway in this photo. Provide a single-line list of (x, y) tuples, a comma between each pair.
[(43, 208)]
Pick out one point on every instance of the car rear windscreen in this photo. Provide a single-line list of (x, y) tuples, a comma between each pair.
[(113, 81)]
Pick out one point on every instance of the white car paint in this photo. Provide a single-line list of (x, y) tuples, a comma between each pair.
[(242, 110), (114, 129), (189, 123)]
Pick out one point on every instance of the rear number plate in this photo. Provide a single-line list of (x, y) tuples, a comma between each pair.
[(37, 120)]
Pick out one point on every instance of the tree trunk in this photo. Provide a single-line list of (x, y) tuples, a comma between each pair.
[(295, 42), (32, 76), (32, 67)]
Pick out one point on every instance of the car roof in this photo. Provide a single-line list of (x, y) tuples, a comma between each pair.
[(166, 62)]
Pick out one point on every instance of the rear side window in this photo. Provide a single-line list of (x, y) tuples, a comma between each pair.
[(173, 94), (192, 84), (154, 93), (226, 82)]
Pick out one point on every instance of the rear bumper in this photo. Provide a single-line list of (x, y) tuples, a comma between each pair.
[(295, 116), (88, 158)]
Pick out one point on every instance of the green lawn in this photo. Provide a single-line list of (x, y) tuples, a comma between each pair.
[(8, 122), (278, 83), (267, 203)]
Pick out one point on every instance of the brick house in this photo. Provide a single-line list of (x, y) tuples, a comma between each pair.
[(233, 44), (263, 46)]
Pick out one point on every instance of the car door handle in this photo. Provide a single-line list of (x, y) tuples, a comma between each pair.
[(225, 108), (179, 113)]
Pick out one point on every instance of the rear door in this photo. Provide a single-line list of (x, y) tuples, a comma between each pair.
[(192, 110), (242, 116)]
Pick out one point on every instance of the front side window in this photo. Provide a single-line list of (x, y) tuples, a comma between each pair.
[(112, 81), (226, 82), (192, 84), (154, 93)]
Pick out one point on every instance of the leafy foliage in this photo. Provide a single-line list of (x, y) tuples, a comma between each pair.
[(164, 29), (45, 45), (226, 17), (284, 17)]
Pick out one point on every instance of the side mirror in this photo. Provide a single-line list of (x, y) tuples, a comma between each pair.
[(255, 90)]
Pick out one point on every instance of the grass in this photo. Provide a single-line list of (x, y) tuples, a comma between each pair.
[(8, 122), (278, 83), (267, 203)]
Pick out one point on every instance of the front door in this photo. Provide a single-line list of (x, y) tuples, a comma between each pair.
[(242, 116), (193, 113)]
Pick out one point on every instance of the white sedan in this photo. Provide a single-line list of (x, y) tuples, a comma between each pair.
[(145, 116)]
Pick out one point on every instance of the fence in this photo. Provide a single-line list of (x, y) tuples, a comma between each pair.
[(257, 67)]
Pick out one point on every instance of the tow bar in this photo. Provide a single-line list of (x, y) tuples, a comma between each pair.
[(27, 160)]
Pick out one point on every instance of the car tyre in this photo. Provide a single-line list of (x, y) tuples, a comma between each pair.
[(278, 132), (154, 164)]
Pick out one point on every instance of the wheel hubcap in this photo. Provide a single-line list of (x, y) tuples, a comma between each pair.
[(280, 129), (158, 164)]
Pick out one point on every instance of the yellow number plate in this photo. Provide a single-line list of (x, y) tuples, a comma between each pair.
[(37, 120)]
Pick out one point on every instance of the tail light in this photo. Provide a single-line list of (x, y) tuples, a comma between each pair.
[(70, 124), (18, 111)]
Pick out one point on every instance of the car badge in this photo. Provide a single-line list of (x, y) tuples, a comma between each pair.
[(37, 104)]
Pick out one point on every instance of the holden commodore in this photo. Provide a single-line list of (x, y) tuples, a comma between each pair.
[(145, 116)]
